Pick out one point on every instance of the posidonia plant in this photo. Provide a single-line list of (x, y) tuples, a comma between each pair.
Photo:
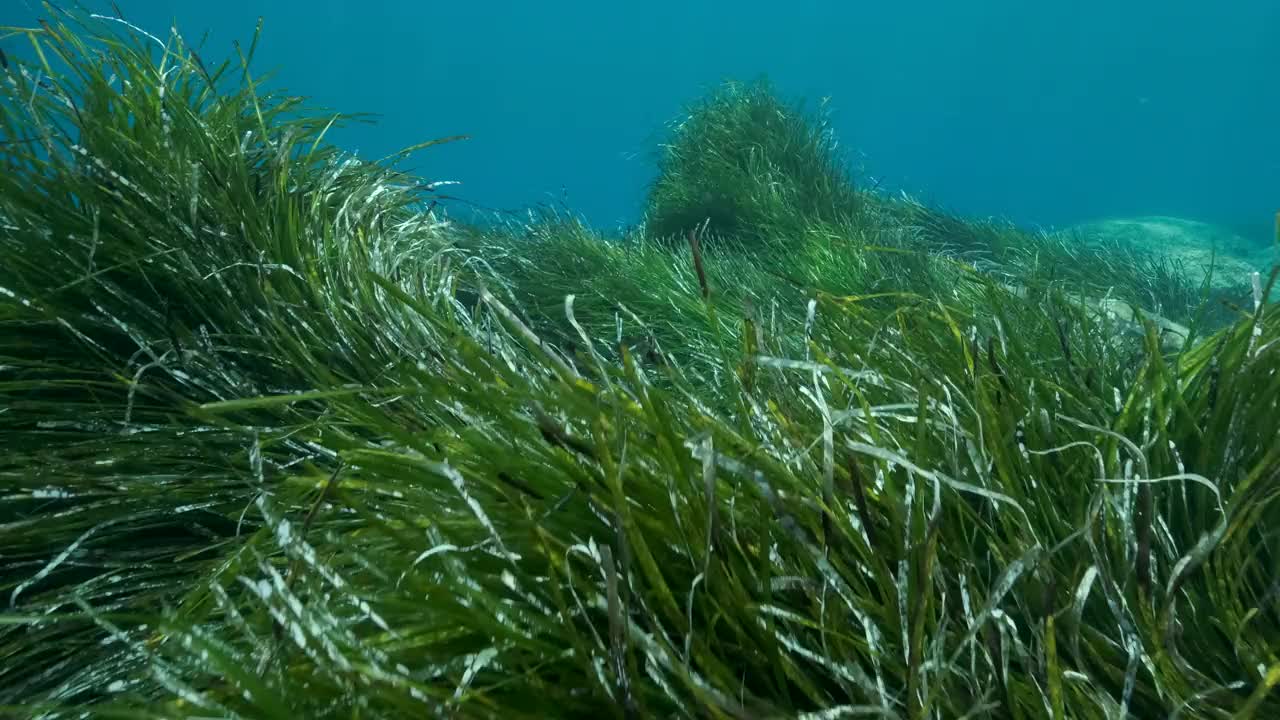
[(281, 441)]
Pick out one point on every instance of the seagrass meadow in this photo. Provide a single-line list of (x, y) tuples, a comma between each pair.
[(280, 439)]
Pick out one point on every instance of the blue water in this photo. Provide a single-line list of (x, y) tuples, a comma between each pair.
[(1047, 113)]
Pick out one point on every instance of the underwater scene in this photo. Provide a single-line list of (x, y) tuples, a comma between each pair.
[(659, 360)]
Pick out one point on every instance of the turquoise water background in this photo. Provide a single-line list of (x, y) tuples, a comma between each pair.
[(1047, 113)]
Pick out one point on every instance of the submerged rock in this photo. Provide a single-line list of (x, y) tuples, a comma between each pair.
[(1189, 242), (1172, 335)]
